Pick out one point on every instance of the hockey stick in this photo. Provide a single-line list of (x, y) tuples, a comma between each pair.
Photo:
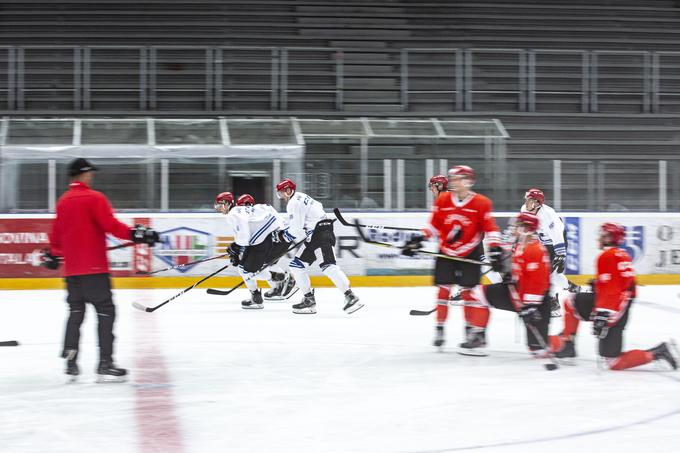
[(439, 255), (217, 292), (139, 306), (180, 266), (120, 246), (342, 220), (554, 364), (422, 312), (9, 343)]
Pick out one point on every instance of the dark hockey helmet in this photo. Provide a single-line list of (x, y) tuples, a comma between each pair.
[(535, 194), (245, 200), (224, 199), (528, 220), (612, 233), (440, 181)]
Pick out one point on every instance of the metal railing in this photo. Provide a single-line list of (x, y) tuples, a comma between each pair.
[(227, 78)]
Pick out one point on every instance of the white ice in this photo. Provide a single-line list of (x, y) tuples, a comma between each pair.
[(207, 376)]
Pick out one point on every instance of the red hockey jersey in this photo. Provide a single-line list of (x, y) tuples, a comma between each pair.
[(615, 282), (462, 224), (531, 273)]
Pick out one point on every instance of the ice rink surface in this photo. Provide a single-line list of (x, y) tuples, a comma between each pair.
[(207, 376)]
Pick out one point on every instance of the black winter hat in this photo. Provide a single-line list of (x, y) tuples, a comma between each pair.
[(79, 166)]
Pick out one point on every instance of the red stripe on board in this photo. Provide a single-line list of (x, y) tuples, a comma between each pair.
[(158, 427)]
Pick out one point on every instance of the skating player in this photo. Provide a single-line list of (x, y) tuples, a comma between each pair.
[(460, 220), (253, 246), (608, 307), (525, 292), (551, 235), (307, 219), (280, 281)]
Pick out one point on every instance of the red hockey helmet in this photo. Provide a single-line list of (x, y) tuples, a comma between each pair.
[(528, 220), (535, 194), (224, 199), (612, 233), (464, 171), (283, 185), (245, 200), (439, 179)]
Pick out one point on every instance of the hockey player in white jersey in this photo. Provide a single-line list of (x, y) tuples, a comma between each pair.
[(551, 234), (254, 227), (281, 282), (307, 219)]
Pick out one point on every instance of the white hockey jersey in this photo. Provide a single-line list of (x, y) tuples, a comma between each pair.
[(550, 228), (252, 224), (304, 212)]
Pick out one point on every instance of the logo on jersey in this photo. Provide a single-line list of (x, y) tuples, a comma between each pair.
[(182, 245), (572, 229), (635, 241)]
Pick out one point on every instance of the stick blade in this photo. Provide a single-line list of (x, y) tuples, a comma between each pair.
[(216, 292), (550, 366), (9, 343), (141, 307)]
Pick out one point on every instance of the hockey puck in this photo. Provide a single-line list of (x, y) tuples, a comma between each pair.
[(550, 366)]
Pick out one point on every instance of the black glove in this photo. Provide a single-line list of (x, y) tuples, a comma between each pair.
[(234, 250), (48, 260), (600, 320), (496, 258), (413, 245), (279, 236), (558, 264), (144, 235), (530, 314)]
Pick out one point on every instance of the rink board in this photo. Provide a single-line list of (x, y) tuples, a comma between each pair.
[(652, 240)]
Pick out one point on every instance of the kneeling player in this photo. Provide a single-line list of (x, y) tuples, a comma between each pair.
[(253, 246), (526, 293), (608, 308)]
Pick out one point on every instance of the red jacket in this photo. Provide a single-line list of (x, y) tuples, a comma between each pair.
[(461, 224), (531, 273), (615, 282), (84, 216)]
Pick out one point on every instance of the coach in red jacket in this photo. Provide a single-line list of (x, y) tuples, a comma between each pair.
[(84, 217)]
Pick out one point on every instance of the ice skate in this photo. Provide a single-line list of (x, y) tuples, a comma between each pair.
[(567, 353), (555, 308), (255, 301), (108, 372), (72, 370), (475, 344), (288, 287), (438, 337), (663, 352), (275, 292), (352, 303), (307, 306)]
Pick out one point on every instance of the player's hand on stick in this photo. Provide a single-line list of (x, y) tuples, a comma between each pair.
[(234, 251), (141, 234), (48, 260), (413, 245), (530, 314), (496, 258), (600, 320), (279, 236), (558, 263)]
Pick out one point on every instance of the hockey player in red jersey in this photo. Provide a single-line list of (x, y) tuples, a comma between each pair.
[(460, 220), (525, 291), (608, 308)]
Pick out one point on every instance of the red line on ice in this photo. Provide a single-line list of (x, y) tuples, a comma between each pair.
[(158, 426)]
